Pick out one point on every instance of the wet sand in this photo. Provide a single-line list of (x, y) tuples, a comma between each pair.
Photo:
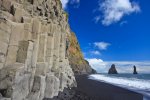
[(103, 91)]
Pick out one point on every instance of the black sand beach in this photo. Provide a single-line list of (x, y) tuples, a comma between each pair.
[(103, 91), (88, 89)]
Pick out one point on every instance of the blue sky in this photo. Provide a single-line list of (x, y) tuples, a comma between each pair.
[(112, 31)]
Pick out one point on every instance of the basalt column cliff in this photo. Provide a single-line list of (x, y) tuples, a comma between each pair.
[(33, 61)]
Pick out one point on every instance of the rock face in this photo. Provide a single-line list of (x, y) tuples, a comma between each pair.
[(134, 70), (112, 70), (33, 62), (76, 59)]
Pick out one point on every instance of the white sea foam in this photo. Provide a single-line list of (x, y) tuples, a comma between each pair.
[(137, 85), (132, 83)]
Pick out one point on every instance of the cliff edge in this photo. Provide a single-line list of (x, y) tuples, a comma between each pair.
[(34, 64), (77, 62)]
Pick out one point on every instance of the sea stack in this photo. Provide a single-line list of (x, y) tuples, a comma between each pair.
[(112, 70), (134, 70)]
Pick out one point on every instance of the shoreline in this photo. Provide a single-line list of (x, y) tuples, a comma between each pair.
[(88, 89), (103, 91), (131, 87)]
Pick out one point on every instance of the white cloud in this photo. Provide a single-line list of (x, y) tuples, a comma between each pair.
[(97, 19), (123, 22), (102, 45), (97, 64), (95, 52), (121, 66), (127, 66), (65, 2), (114, 10)]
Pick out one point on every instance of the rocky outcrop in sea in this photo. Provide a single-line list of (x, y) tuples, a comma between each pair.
[(134, 70), (33, 60), (112, 70)]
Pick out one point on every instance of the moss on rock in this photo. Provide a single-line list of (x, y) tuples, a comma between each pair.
[(76, 58)]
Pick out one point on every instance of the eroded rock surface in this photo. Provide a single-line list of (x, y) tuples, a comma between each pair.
[(112, 70), (78, 64), (135, 70), (33, 62)]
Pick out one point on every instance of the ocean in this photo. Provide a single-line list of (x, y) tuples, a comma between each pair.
[(139, 83)]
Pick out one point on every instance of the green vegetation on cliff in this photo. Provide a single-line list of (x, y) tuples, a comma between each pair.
[(76, 59)]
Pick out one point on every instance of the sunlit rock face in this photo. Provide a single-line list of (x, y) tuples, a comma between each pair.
[(33, 61), (78, 64)]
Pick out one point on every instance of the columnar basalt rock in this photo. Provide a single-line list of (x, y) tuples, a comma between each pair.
[(33, 65)]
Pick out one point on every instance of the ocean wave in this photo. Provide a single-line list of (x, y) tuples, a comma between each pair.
[(131, 83)]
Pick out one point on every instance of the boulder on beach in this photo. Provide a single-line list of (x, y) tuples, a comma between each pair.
[(134, 70), (112, 70)]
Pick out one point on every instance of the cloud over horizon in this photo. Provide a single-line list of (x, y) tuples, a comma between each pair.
[(114, 10), (97, 64), (121, 66)]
